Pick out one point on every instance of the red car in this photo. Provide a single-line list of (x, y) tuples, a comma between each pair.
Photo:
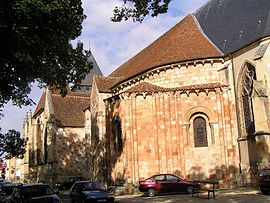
[(166, 183), (263, 180)]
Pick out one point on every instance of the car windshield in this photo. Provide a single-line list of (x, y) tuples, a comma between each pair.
[(92, 186), (37, 191)]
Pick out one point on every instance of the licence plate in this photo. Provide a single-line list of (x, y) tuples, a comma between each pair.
[(267, 179), (102, 200)]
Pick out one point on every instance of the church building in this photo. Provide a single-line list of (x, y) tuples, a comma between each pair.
[(193, 103)]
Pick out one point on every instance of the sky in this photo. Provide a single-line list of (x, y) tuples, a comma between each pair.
[(111, 43)]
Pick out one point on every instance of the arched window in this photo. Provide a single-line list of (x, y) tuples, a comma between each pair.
[(200, 132), (246, 89), (117, 134), (46, 145), (38, 142)]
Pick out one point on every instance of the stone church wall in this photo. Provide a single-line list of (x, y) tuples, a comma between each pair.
[(70, 153), (157, 130), (186, 75), (255, 149)]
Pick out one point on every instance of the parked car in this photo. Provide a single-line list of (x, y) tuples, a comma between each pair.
[(263, 180), (4, 182), (166, 183), (6, 191), (89, 191), (68, 183), (34, 192)]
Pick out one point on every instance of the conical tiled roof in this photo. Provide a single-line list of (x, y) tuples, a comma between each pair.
[(183, 42)]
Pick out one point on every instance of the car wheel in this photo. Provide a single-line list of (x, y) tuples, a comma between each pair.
[(264, 192), (151, 192), (189, 190)]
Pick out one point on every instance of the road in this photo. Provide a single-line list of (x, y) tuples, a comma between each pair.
[(239, 195)]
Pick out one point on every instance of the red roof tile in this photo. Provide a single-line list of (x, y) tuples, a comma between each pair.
[(147, 87), (183, 42), (41, 104), (69, 110), (104, 83)]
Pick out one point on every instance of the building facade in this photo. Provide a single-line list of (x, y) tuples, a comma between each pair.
[(195, 103)]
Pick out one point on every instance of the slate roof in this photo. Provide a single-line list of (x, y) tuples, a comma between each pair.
[(86, 83), (234, 24), (183, 42)]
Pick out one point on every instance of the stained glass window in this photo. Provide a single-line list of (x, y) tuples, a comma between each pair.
[(247, 87), (200, 132)]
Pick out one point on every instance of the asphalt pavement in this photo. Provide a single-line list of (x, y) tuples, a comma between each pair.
[(237, 195)]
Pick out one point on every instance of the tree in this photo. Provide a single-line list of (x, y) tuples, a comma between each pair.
[(139, 9), (12, 145), (35, 38)]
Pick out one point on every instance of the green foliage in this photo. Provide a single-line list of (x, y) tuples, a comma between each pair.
[(12, 145), (139, 9), (35, 38)]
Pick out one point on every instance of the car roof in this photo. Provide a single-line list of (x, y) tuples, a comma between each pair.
[(7, 184), (32, 184), (164, 174), (87, 181)]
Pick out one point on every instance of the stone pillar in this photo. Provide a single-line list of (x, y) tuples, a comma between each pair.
[(51, 151)]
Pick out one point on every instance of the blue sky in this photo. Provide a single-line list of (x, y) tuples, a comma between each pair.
[(111, 43)]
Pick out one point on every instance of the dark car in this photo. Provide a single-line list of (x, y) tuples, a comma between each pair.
[(6, 192), (4, 182), (166, 183), (89, 191), (68, 183), (263, 180), (35, 192)]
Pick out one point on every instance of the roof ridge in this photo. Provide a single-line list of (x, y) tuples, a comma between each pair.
[(102, 76), (72, 95)]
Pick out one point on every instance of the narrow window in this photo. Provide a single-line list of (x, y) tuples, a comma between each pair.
[(248, 77), (39, 134), (200, 133), (117, 134)]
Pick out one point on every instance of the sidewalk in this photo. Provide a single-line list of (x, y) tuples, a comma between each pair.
[(236, 195)]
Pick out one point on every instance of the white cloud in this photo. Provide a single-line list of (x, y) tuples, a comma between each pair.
[(114, 43), (111, 43)]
